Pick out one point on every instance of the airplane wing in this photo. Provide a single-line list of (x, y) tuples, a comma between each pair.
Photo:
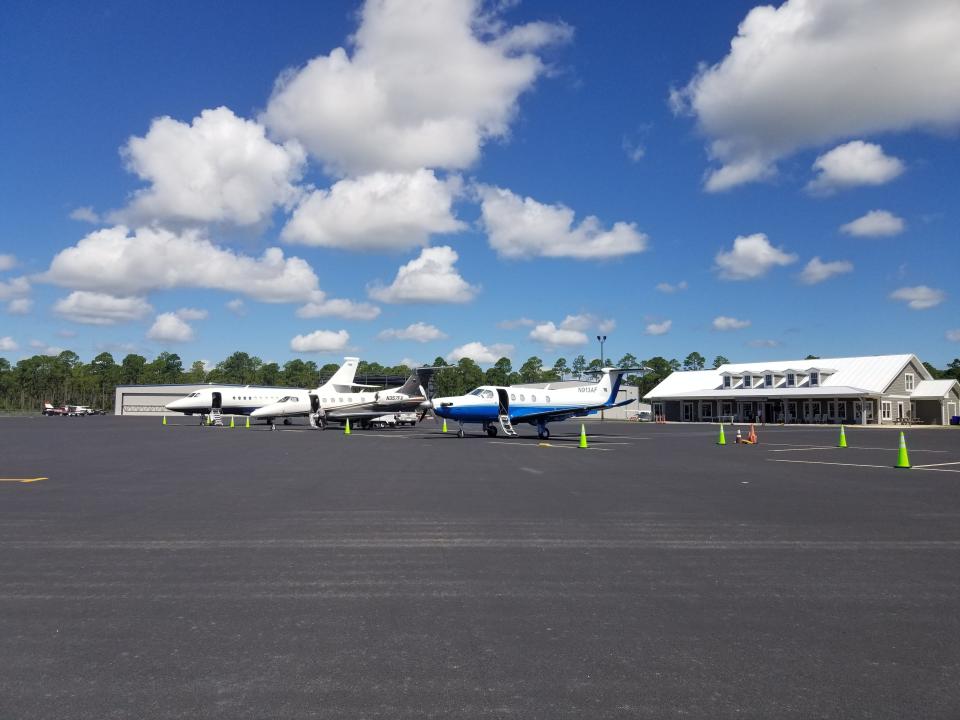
[(569, 412)]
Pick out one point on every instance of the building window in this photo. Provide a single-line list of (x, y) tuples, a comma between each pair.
[(747, 381), (726, 381), (768, 380), (843, 410), (885, 408), (908, 381), (814, 379), (791, 380)]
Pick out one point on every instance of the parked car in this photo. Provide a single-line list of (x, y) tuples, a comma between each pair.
[(394, 419)]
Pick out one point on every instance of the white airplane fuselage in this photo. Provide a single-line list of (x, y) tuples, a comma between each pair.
[(533, 405), (247, 400)]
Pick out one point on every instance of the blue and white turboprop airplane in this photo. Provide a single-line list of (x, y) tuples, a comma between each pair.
[(493, 406)]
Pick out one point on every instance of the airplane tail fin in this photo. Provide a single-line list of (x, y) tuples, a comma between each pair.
[(342, 379), (611, 378)]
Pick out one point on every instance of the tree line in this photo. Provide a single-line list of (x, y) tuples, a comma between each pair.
[(64, 379)]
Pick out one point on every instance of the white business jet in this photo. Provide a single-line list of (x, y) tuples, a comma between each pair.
[(218, 400), (325, 405), (491, 406)]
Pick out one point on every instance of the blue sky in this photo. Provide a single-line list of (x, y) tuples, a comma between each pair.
[(430, 185)]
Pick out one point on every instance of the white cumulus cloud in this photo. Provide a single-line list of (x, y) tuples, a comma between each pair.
[(421, 88), (659, 328), (724, 323), (816, 271), (419, 332), (321, 306), (550, 335), (380, 211), (752, 256), (7, 262), (170, 327), (20, 306), (14, 288), (95, 308), (191, 314), (219, 168), (119, 262), (85, 214), (953, 335), (8, 344), (876, 223), (524, 228), (811, 72), (237, 307), (479, 353), (669, 288), (852, 164), (764, 343), (919, 297), (429, 278), (320, 341)]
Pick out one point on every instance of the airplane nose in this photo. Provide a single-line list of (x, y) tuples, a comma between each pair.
[(175, 405)]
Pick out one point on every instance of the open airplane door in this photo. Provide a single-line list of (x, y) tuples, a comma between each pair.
[(316, 414)]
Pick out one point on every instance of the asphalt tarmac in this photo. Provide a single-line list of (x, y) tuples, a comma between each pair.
[(187, 572)]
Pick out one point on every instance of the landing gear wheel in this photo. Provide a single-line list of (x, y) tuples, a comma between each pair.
[(543, 433), (492, 430), (460, 433), (286, 421)]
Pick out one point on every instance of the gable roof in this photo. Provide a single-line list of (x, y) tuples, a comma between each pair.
[(933, 389), (870, 374)]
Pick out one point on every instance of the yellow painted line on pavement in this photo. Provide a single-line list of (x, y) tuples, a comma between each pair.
[(23, 480)]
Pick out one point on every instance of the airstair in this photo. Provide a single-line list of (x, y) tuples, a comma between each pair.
[(216, 417), (507, 425)]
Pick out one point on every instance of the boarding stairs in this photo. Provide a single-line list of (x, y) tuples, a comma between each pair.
[(506, 425), (216, 416)]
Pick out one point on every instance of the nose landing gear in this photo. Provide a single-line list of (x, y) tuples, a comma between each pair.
[(543, 432)]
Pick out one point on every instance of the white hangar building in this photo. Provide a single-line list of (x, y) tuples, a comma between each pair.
[(145, 400), (878, 389)]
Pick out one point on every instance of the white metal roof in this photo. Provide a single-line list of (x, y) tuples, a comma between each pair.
[(934, 389), (833, 391), (868, 375)]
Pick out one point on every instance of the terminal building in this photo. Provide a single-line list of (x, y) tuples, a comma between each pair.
[(879, 389)]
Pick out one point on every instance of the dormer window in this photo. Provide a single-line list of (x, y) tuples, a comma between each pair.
[(768, 380), (747, 381), (791, 380), (814, 379), (726, 381)]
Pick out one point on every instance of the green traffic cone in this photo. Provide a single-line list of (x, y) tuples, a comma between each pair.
[(583, 436), (164, 419), (248, 423), (722, 440), (903, 460), (444, 428), (231, 421), (346, 427), (843, 438)]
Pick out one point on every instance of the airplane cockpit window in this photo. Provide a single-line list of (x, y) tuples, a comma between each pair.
[(478, 392), (283, 399), (488, 394)]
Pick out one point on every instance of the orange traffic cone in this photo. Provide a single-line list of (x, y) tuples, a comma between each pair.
[(752, 437)]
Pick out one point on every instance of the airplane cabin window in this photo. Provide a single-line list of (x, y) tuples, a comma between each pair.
[(533, 398), (548, 398), (512, 396), (522, 398)]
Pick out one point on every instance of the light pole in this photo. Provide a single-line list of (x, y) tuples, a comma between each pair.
[(602, 339)]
